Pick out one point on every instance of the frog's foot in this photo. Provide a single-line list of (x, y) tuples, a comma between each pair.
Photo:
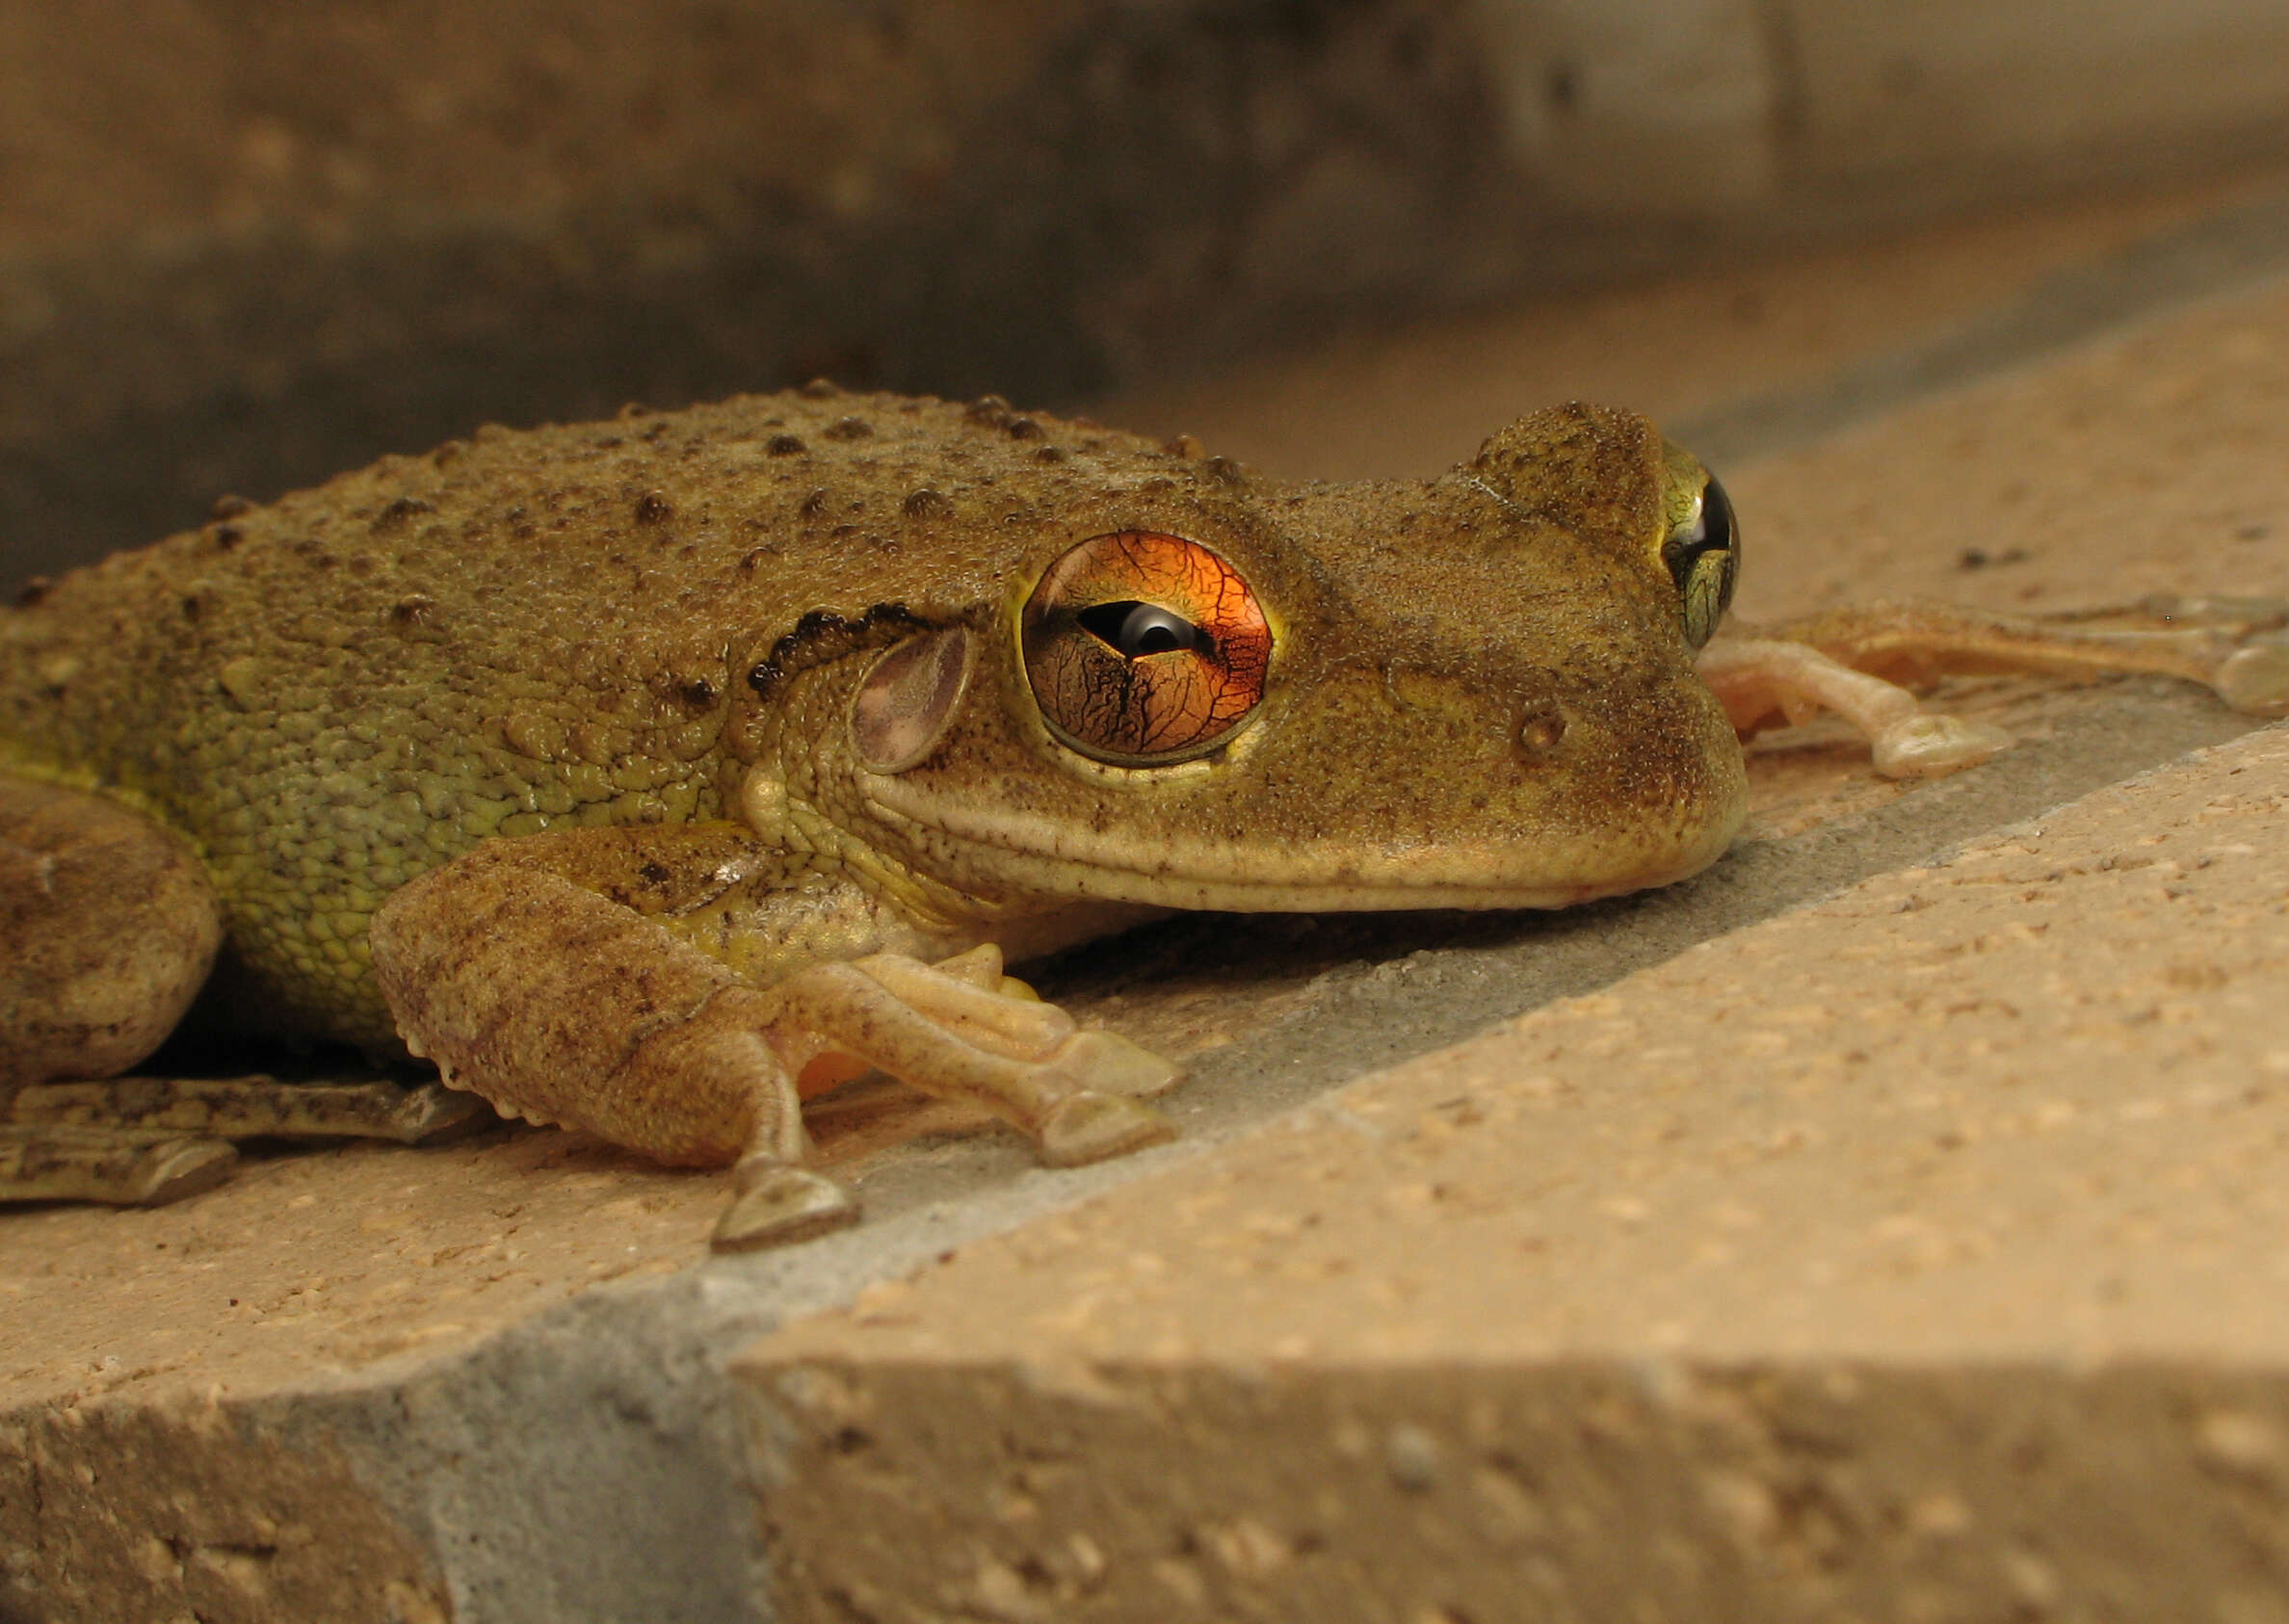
[(527, 985), (2242, 641), (1102, 1060), (733, 1059), (1757, 679), (251, 1107), (142, 1141), (50, 1163), (1079, 1094), (1850, 661), (775, 1202)]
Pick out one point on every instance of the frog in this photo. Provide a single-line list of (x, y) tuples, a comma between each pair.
[(651, 777)]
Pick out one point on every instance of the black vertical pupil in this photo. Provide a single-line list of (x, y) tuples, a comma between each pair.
[(1713, 530), (1716, 516), (1136, 629)]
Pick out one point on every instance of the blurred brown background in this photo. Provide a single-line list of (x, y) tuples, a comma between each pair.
[(245, 244)]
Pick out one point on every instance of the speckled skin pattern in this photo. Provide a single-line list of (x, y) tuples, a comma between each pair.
[(613, 623)]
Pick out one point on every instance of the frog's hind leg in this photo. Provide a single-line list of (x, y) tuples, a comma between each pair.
[(108, 927), (143, 1141), (255, 1106), (1852, 661)]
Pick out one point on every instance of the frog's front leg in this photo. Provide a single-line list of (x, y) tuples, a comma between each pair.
[(677, 989), (1852, 661)]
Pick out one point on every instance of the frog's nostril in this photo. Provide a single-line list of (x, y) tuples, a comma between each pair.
[(1541, 726)]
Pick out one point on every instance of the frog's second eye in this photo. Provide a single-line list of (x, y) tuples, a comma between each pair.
[(1704, 558), (1143, 648)]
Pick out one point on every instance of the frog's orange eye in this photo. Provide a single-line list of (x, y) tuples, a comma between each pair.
[(1144, 648)]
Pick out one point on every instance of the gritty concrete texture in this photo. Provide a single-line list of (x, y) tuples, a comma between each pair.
[(1912, 1255), (491, 1373), (230, 1520)]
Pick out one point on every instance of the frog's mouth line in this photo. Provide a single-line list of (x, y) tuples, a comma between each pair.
[(1060, 861)]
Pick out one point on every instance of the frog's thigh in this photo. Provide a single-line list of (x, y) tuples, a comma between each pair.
[(108, 927)]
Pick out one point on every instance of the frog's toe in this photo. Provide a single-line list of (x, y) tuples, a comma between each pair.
[(1923, 746), (2254, 679), (181, 1167), (778, 1202), (431, 1114), (1107, 1064), (50, 1161), (1089, 1126), (980, 967), (2247, 610), (973, 1003)]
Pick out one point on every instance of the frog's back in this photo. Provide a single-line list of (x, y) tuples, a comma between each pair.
[(331, 693)]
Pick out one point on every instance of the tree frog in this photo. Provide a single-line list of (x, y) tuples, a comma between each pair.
[(647, 777)]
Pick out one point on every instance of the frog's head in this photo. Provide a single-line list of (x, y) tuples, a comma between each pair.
[(1472, 692)]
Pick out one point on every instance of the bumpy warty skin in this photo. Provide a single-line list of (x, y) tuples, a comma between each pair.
[(339, 690), (599, 624)]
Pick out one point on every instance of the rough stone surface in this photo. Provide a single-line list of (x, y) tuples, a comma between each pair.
[(225, 1519), (1908, 1255)]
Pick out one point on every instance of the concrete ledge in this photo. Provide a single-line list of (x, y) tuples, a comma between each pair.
[(188, 1511), (1650, 1489), (1914, 1255)]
